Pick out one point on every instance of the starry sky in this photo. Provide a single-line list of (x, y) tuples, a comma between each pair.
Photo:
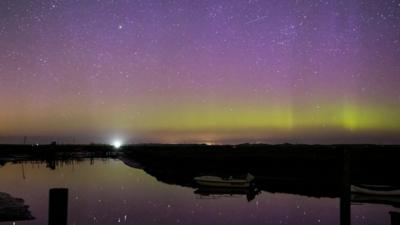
[(217, 71)]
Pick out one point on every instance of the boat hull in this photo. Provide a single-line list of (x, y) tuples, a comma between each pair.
[(370, 191)]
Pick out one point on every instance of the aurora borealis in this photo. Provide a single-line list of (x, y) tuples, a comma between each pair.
[(224, 71)]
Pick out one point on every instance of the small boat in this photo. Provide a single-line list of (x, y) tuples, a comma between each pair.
[(214, 181), (376, 199), (375, 190)]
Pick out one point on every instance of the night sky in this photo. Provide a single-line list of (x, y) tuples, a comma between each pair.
[(225, 71)]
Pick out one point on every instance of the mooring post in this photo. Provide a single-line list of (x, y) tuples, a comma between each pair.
[(394, 218), (58, 206)]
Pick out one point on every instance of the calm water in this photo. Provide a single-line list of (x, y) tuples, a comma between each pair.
[(109, 192)]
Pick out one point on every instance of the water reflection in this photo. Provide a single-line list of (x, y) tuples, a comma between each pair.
[(110, 192), (215, 192)]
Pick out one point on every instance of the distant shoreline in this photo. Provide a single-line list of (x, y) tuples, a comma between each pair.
[(179, 163)]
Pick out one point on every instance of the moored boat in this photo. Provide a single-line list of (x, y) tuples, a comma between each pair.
[(375, 190)]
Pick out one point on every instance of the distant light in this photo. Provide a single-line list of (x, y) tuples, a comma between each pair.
[(117, 143), (209, 143)]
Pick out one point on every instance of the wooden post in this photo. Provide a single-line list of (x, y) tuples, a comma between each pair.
[(395, 218), (58, 206)]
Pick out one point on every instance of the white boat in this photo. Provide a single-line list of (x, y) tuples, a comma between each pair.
[(214, 181), (391, 200), (375, 190)]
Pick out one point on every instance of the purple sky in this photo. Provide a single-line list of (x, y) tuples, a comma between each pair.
[(200, 71)]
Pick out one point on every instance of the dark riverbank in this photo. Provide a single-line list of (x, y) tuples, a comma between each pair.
[(311, 170), (366, 157), (365, 161), (272, 164)]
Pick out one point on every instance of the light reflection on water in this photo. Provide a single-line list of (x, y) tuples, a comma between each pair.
[(110, 192)]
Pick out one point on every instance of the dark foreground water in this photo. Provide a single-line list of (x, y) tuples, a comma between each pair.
[(109, 192)]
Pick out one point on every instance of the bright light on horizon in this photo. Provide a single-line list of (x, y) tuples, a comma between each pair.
[(117, 143)]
